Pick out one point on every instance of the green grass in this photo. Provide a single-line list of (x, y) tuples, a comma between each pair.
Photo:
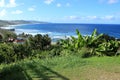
[(63, 68)]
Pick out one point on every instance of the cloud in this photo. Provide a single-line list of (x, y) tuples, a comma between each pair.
[(109, 1), (12, 3), (2, 3), (74, 17), (108, 18), (90, 18), (112, 1), (3, 13), (82, 18), (48, 1), (67, 4), (17, 12), (58, 5), (32, 8)]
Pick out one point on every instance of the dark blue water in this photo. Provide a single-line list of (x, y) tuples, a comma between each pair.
[(62, 30)]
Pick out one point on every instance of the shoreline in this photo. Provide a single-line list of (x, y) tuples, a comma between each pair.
[(21, 24), (7, 27), (52, 34), (54, 38)]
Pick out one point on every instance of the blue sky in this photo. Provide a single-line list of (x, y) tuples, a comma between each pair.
[(62, 11)]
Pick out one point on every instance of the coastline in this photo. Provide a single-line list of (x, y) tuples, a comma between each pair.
[(17, 25), (9, 27), (61, 31)]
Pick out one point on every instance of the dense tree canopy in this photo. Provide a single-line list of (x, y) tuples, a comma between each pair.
[(39, 41)]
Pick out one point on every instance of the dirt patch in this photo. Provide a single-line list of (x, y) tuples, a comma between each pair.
[(97, 74)]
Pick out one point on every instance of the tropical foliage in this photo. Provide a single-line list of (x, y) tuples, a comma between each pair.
[(33, 46), (39, 46), (39, 42), (96, 44), (5, 34)]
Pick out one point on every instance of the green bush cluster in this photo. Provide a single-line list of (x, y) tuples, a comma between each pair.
[(5, 34), (39, 46), (94, 45), (39, 41), (32, 48)]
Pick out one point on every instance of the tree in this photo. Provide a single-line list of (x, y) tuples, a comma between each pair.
[(7, 34), (7, 53), (81, 41), (21, 51), (39, 42)]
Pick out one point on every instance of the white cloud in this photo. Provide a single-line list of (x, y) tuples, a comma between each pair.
[(67, 4), (74, 17), (12, 3), (48, 1), (82, 18), (3, 13), (112, 1), (91, 17), (17, 12), (58, 5), (2, 3), (31, 9), (109, 1), (108, 18)]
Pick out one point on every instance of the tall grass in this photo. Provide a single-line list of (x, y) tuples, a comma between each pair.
[(62, 68)]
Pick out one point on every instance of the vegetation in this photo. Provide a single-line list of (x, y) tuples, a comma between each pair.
[(5, 35), (63, 68), (67, 54), (95, 45), (39, 42), (39, 46)]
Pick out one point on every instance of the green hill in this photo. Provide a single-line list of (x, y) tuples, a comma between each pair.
[(15, 22)]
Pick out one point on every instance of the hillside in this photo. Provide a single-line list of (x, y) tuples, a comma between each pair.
[(15, 22), (63, 68)]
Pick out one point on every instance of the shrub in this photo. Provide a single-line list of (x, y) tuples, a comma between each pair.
[(7, 53), (39, 42)]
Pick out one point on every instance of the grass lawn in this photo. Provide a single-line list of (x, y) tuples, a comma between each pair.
[(63, 68)]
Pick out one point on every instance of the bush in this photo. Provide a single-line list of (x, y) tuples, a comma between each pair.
[(39, 42), (7, 53), (66, 52), (21, 51), (85, 52), (7, 34)]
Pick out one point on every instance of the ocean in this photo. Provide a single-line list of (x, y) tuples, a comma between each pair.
[(61, 30)]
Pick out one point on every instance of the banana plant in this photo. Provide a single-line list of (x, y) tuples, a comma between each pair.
[(93, 38), (66, 43), (80, 42), (108, 48)]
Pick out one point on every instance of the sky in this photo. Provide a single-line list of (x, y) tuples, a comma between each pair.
[(62, 11)]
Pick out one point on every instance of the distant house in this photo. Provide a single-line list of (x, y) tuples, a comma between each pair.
[(10, 40), (19, 41)]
